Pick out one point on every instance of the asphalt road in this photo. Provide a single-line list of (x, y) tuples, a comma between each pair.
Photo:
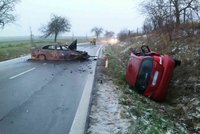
[(42, 97)]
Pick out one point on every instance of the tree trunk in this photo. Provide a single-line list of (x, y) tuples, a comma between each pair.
[(55, 38), (184, 16), (177, 14), (177, 11)]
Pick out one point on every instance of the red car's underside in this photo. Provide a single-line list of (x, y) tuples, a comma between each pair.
[(150, 73)]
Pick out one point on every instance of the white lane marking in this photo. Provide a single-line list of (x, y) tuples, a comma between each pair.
[(44, 63), (22, 73)]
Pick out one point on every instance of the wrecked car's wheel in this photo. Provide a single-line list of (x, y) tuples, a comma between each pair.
[(41, 57)]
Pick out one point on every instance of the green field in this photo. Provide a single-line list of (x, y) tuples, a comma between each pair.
[(16, 48)]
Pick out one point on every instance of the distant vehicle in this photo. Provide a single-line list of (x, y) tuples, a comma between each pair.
[(59, 52), (150, 73), (93, 41)]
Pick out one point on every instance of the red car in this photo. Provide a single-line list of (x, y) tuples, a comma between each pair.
[(150, 73)]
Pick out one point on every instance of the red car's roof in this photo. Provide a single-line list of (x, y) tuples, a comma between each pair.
[(133, 68)]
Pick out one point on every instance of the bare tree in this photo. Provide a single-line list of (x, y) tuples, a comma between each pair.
[(124, 34), (56, 26), (168, 16), (109, 34), (6, 11), (183, 7), (163, 11), (97, 31), (147, 26), (158, 13)]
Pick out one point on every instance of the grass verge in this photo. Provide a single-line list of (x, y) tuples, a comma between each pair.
[(9, 51)]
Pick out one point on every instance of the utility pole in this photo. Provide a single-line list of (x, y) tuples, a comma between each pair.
[(31, 36)]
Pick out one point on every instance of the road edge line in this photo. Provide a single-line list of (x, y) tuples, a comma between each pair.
[(80, 119)]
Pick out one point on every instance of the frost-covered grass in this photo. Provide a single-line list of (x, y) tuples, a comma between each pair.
[(147, 116)]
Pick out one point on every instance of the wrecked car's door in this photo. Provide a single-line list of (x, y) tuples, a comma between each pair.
[(50, 52)]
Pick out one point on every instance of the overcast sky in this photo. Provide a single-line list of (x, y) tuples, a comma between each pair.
[(111, 15)]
